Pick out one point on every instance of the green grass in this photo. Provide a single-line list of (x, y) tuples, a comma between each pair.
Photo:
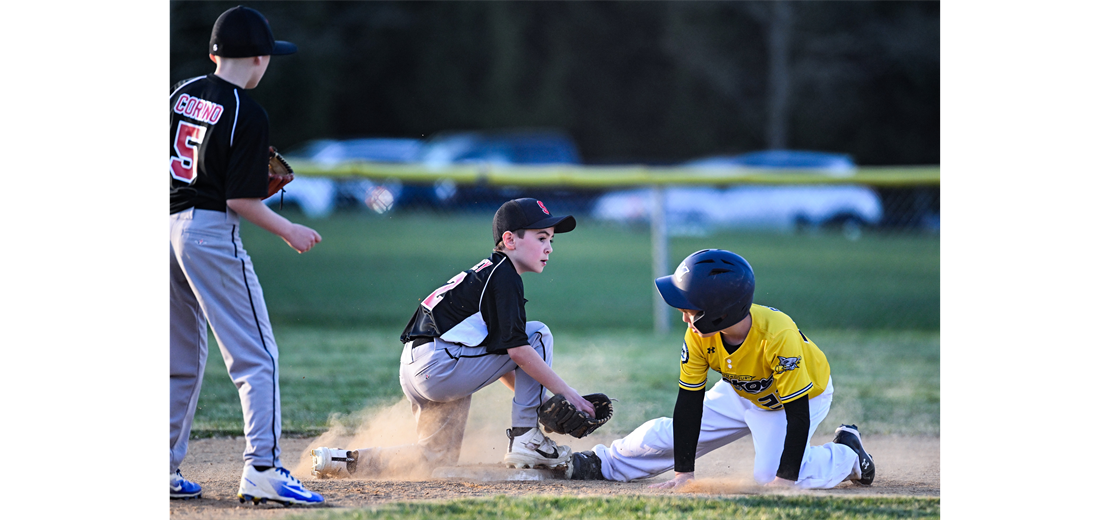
[(885, 381), (872, 305), (647, 508), (322, 372), (371, 271)]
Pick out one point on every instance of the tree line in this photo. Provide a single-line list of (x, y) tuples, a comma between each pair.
[(630, 81)]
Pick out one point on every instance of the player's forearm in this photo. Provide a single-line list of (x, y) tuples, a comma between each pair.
[(258, 213), (255, 211), (686, 427), (797, 436)]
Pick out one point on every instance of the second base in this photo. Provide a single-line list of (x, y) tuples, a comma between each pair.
[(487, 473)]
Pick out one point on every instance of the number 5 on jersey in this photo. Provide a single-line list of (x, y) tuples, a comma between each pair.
[(185, 146)]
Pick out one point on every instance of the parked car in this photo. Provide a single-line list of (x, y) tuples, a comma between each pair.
[(697, 209), (504, 147), (834, 164), (318, 196), (500, 147), (379, 149)]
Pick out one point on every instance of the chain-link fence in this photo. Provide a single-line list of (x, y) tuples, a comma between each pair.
[(856, 251), (887, 199)]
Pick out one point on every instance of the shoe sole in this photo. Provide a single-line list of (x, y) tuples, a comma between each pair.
[(321, 455), (185, 496), (317, 455), (859, 440), (531, 463), (283, 501)]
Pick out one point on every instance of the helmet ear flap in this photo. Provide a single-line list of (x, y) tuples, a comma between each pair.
[(727, 317), (715, 324)]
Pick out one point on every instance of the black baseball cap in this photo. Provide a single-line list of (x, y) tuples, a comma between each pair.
[(527, 214), (242, 32)]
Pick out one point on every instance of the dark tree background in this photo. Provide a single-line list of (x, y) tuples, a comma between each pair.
[(651, 82)]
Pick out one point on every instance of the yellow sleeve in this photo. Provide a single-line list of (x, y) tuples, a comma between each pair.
[(694, 370), (785, 357)]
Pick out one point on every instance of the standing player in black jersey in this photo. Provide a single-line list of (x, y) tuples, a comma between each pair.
[(464, 336), (219, 146)]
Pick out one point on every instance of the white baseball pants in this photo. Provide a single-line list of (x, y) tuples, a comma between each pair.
[(649, 450)]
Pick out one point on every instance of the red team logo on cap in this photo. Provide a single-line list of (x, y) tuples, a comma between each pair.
[(545, 212)]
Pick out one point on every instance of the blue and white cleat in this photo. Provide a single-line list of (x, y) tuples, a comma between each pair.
[(181, 488), (275, 484)]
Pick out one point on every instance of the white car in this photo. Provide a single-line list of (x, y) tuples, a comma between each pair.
[(697, 210)]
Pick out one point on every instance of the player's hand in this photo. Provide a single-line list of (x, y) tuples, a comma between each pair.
[(301, 238), (580, 403), (679, 480), (781, 483)]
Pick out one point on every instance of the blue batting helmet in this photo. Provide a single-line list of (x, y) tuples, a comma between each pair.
[(718, 283)]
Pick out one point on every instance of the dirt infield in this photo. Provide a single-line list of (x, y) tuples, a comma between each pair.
[(906, 466)]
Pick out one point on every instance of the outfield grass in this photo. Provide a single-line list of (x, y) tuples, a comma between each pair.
[(647, 508), (370, 271), (886, 381), (872, 305)]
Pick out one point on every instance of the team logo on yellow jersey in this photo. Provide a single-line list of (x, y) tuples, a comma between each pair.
[(787, 363), (748, 383)]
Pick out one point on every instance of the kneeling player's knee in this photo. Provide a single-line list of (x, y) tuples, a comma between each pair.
[(763, 476), (765, 471)]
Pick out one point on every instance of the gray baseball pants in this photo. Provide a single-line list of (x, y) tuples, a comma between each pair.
[(212, 282), (439, 377)]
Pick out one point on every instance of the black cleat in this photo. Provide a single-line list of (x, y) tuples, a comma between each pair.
[(848, 435), (585, 465)]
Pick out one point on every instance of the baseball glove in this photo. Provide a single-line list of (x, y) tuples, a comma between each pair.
[(557, 415), (280, 173)]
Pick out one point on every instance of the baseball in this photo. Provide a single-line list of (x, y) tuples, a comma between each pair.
[(379, 199)]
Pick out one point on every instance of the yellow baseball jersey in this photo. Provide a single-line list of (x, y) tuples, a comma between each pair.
[(776, 363)]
